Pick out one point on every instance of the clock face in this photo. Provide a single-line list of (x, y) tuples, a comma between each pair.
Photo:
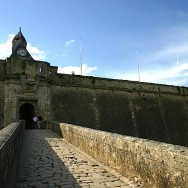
[(22, 52)]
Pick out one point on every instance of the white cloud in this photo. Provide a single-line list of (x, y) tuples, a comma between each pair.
[(6, 49), (171, 51), (86, 70), (182, 13), (161, 66), (67, 45), (176, 75), (35, 52)]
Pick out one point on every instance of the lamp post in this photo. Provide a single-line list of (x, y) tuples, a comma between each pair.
[(80, 57), (138, 66)]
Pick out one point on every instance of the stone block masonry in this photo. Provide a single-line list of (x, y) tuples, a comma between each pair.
[(157, 164), (150, 111), (10, 140)]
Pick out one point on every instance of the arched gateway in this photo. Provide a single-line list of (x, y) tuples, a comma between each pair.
[(26, 113)]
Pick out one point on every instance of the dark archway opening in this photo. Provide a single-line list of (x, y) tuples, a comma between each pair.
[(26, 113)]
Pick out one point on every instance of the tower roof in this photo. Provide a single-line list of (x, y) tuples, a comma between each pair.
[(19, 46), (19, 36)]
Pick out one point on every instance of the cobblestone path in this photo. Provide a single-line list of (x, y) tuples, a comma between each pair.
[(46, 160)]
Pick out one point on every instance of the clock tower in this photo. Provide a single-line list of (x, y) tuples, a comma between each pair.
[(19, 46), (25, 88)]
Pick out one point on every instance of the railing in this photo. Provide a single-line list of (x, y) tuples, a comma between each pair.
[(156, 164), (10, 140)]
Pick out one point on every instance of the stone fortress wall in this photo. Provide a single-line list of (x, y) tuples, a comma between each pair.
[(152, 111), (2, 83)]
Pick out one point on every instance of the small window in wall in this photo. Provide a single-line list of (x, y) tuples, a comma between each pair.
[(40, 69)]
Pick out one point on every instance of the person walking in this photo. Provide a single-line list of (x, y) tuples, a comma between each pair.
[(39, 121), (35, 119)]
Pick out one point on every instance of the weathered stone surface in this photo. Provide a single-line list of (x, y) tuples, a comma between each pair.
[(157, 164), (10, 139), (144, 110)]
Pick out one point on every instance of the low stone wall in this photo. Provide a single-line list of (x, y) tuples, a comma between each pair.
[(157, 164), (10, 138), (55, 127)]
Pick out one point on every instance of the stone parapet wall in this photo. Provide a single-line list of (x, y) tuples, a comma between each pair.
[(156, 164), (118, 85), (10, 139)]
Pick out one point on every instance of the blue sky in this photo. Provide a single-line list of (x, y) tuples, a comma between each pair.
[(115, 36)]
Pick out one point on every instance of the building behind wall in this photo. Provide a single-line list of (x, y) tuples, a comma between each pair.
[(29, 87), (25, 87)]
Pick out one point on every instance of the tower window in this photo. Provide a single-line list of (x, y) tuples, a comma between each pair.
[(40, 69)]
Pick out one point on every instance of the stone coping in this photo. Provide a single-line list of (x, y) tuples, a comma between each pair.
[(157, 164)]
